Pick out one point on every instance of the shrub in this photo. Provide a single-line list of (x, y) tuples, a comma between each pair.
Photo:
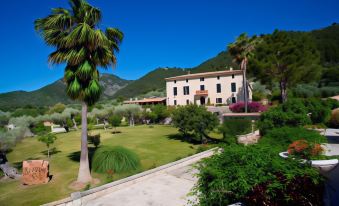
[(319, 111), (255, 175), (331, 103), (40, 129), (117, 159), (232, 127), (115, 121), (94, 139), (334, 121), (304, 149), (277, 117), (280, 138), (252, 107)]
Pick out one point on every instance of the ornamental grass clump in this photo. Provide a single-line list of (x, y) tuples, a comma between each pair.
[(304, 149), (115, 159)]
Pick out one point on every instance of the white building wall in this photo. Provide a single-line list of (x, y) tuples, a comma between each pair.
[(210, 85)]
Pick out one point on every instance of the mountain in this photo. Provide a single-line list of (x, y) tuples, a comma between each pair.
[(327, 40), (55, 92), (155, 80)]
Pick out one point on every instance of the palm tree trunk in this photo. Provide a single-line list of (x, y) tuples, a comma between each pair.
[(84, 174), (48, 152)]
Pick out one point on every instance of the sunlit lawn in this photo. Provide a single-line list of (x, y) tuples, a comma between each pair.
[(155, 146)]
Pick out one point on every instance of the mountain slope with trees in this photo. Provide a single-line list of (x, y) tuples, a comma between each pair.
[(55, 92)]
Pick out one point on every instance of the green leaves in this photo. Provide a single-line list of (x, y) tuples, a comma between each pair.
[(81, 46)]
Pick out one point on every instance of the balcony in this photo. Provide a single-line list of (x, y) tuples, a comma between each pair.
[(201, 92)]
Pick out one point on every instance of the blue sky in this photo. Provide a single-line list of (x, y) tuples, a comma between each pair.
[(158, 33)]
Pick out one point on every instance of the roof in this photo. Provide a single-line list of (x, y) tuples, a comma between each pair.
[(149, 100), (204, 74)]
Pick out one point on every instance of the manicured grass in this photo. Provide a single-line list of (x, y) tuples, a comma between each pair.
[(155, 146)]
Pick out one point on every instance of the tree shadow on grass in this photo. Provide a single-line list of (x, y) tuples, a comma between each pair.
[(75, 156), (51, 151), (186, 138)]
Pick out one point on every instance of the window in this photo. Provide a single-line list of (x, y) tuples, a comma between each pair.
[(186, 80), (234, 100), (175, 91), (187, 101), (233, 87), (175, 102), (232, 76), (218, 88), (218, 100), (202, 79), (218, 77), (202, 87), (175, 81), (186, 90)]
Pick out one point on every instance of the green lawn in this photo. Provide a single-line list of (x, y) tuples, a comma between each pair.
[(155, 146)]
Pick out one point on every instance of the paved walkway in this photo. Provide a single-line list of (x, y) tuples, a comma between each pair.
[(333, 142), (169, 188), (167, 185)]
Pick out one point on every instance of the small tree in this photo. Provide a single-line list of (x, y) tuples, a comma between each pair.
[(115, 121), (196, 120), (48, 139)]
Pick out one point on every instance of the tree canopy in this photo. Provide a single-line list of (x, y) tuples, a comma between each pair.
[(287, 58)]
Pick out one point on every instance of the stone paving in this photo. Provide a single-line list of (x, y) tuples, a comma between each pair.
[(332, 147), (167, 189)]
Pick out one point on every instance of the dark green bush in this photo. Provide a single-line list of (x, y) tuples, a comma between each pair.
[(331, 103), (235, 175), (94, 139), (276, 117), (194, 120), (232, 127), (279, 138), (40, 129), (318, 110), (117, 159)]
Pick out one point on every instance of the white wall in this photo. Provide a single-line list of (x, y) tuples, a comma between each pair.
[(210, 85)]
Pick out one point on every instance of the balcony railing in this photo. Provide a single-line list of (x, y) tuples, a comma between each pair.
[(201, 92)]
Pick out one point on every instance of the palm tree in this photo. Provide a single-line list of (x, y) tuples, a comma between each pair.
[(82, 46), (242, 50)]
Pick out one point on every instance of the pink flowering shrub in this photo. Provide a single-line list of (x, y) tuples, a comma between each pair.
[(252, 107)]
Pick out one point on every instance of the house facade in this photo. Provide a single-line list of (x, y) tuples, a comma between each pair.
[(213, 88)]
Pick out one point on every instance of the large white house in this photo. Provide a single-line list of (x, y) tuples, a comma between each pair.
[(221, 87)]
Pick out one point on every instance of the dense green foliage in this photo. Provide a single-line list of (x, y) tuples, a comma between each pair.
[(312, 90), (327, 40), (115, 121), (194, 120), (288, 58), (117, 159), (280, 138), (277, 117), (296, 112), (94, 139), (40, 129), (235, 175), (232, 127)]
